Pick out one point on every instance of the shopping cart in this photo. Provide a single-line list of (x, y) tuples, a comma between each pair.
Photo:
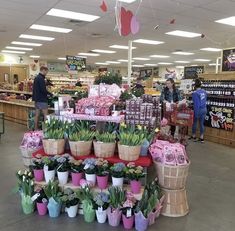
[(179, 115)]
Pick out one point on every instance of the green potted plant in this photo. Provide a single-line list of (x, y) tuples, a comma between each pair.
[(80, 140), (102, 173), (77, 171), (86, 196), (101, 200), (53, 141), (63, 168), (105, 142), (37, 166), (148, 137), (54, 193), (49, 168), (25, 186), (41, 201), (117, 172), (109, 78), (134, 174), (71, 201), (130, 141), (90, 170), (117, 198)]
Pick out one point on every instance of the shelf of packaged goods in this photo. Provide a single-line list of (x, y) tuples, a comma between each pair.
[(29, 105), (215, 96), (15, 92)]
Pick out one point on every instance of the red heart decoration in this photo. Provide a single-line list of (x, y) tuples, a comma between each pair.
[(126, 17), (103, 7)]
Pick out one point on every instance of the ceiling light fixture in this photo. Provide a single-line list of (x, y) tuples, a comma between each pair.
[(127, 1), (50, 28), (98, 63), (228, 21), (13, 52), (103, 51), (182, 62), (72, 15), (163, 63), (182, 53), (150, 64), (141, 59), (211, 49), (124, 60), (113, 62), (214, 64), (61, 58), (180, 67), (34, 37), (160, 56), (202, 60), (121, 47), (136, 65), (185, 34), (19, 48), (146, 41), (89, 54), (34, 56), (27, 44)]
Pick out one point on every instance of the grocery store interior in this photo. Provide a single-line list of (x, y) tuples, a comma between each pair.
[(139, 97)]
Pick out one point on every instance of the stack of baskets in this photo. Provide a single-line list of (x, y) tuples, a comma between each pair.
[(173, 179)]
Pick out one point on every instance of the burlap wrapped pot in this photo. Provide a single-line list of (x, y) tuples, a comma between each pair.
[(53, 147), (104, 150), (80, 148), (128, 153)]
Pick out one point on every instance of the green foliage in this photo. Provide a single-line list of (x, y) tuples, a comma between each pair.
[(117, 197), (134, 172), (85, 195), (105, 137), (82, 135), (109, 78), (25, 183), (76, 166), (126, 95), (52, 190), (69, 198), (137, 92), (50, 162), (102, 167), (54, 134)]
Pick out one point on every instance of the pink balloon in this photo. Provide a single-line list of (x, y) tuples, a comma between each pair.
[(135, 25)]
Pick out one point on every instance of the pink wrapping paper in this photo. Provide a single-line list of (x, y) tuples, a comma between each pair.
[(32, 140)]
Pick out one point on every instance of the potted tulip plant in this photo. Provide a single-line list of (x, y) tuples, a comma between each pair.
[(118, 173), (130, 141), (86, 196), (71, 201), (105, 142), (49, 168), (77, 171), (101, 205), (41, 201), (134, 174), (54, 194), (37, 166), (80, 141), (128, 209), (117, 198), (90, 170), (25, 187), (54, 142), (63, 168), (148, 137), (102, 173)]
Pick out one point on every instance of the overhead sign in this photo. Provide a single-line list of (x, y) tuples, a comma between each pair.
[(75, 63), (228, 60), (193, 72), (220, 117)]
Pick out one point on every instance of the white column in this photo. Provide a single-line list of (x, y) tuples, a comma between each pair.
[(218, 62), (129, 62)]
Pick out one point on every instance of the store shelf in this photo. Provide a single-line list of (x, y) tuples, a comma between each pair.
[(17, 103), (16, 92)]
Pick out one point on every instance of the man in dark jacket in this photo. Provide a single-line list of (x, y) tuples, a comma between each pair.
[(40, 95)]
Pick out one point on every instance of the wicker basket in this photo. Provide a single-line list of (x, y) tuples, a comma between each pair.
[(129, 153), (80, 148), (172, 177), (27, 155), (104, 150), (175, 203), (53, 147)]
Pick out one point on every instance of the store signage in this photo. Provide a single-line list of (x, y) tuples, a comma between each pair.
[(193, 72), (220, 117), (75, 63), (228, 60)]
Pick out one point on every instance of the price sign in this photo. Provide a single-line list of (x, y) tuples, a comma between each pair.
[(75, 63), (193, 72)]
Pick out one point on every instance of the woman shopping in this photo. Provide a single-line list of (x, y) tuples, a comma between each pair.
[(199, 105), (170, 94)]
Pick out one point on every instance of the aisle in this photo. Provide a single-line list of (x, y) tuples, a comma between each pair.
[(210, 190)]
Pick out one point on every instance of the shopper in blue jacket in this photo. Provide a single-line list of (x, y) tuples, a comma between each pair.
[(199, 104)]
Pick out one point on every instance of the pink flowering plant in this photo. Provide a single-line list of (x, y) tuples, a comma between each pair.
[(102, 167), (129, 204), (134, 172)]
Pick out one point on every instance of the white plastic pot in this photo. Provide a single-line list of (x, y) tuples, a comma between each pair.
[(72, 211), (91, 178), (101, 216), (117, 182), (63, 177), (49, 175)]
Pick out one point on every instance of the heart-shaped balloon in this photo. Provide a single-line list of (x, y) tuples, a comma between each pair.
[(135, 25), (126, 16), (103, 6)]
